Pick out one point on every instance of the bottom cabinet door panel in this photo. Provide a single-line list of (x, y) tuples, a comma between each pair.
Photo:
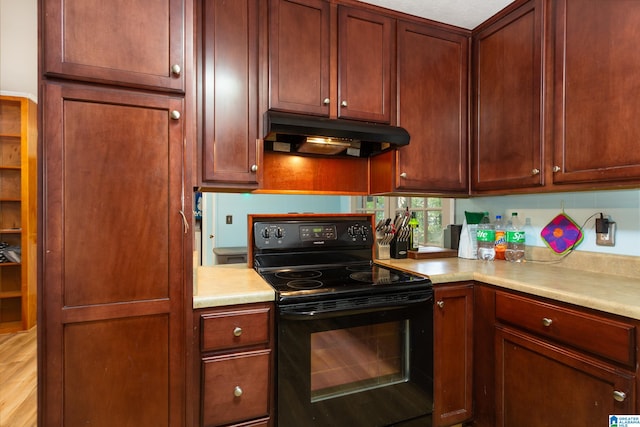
[(542, 384), (235, 388)]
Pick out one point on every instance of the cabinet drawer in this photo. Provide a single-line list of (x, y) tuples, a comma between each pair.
[(608, 338), (228, 329), (235, 387)]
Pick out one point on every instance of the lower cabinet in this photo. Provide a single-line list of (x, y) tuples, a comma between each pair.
[(235, 365), (453, 354), (559, 365)]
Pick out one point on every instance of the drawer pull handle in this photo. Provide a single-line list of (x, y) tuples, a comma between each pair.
[(237, 391), (546, 321), (440, 304), (237, 331), (619, 396)]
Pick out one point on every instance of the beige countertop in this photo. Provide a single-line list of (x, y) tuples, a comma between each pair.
[(606, 292), (229, 284), (238, 284)]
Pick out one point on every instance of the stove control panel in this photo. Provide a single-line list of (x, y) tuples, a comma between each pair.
[(304, 234)]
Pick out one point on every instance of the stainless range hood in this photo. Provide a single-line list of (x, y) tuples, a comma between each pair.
[(320, 136)]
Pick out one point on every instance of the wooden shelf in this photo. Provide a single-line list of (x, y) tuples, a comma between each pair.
[(10, 230), (7, 327), (13, 294), (18, 198)]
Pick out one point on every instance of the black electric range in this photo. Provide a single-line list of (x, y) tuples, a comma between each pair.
[(310, 259)]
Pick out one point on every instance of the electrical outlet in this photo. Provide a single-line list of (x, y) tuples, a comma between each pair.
[(605, 236), (229, 219)]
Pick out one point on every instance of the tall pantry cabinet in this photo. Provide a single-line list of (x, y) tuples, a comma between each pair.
[(115, 247), (18, 137)]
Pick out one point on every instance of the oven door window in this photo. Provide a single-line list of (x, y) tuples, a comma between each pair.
[(372, 368), (356, 359)]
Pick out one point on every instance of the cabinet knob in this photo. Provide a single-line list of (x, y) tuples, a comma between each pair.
[(619, 396), (326, 101), (237, 391), (237, 331), (546, 321), (175, 69), (254, 168), (440, 304), (556, 169), (175, 114), (343, 104), (403, 175), (535, 171)]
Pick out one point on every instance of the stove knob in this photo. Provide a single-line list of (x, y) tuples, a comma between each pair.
[(279, 233), (265, 233)]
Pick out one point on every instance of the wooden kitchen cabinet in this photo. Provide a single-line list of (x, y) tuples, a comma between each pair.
[(559, 365), (507, 143), (228, 121), (114, 258), (136, 43), (330, 60), (595, 102), (432, 74), (453, 354), (233, 356), (18, 193)]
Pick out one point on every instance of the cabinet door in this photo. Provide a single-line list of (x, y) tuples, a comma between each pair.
[(542, 384), (112, 286), (596, 102), (365, 49), (299, 50), (133, 43), (229, 90), (507, 136), (453, 354), (432, 107)]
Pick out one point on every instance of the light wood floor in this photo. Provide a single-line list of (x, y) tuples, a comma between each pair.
[(18, 379)]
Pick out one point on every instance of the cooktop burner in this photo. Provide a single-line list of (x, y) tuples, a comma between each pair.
[(378, 277), (298, 274), (304, 284)]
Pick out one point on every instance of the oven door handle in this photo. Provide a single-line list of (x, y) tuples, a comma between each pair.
[(317, 315)]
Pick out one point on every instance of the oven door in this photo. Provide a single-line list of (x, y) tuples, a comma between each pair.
[(356, 368)]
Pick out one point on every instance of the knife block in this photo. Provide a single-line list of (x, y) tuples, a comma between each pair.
[(399, 248)]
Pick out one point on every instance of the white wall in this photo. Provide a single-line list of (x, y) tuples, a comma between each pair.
[(622, 206), (19, 48)]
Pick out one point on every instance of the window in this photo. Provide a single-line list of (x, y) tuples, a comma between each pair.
[(433, 213)]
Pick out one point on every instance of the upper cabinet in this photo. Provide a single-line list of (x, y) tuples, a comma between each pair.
[(139, 43), (595, 100), (508, 126), (432, 70), (555, 98), (228, 94), (365, 50), (330, 60), (299, 50)]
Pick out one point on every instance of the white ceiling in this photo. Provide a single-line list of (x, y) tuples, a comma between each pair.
[(461, 13)]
